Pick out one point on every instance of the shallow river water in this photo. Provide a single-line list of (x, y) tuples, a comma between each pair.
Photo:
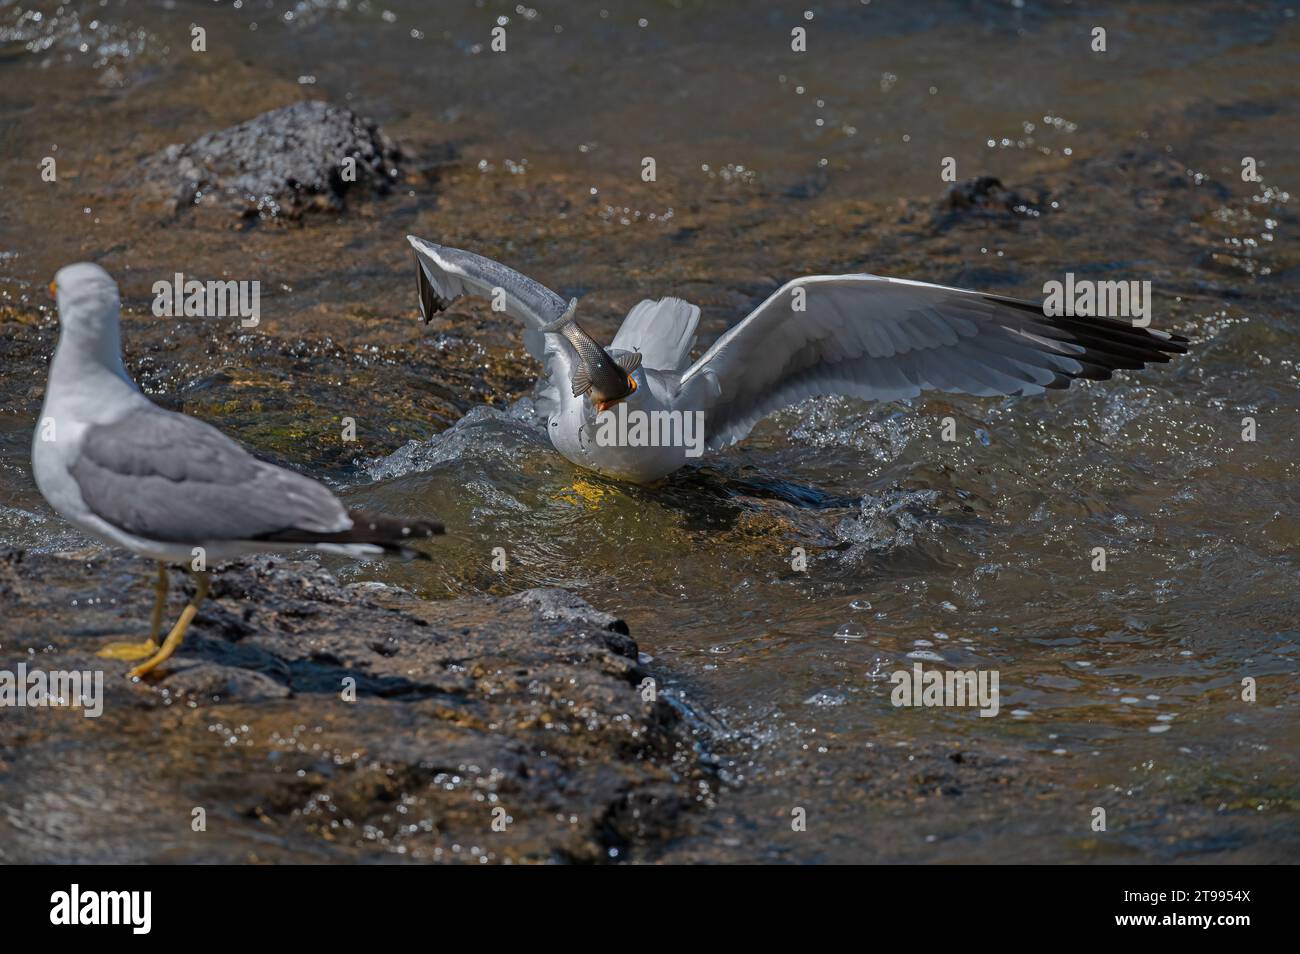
[(1120, 689)]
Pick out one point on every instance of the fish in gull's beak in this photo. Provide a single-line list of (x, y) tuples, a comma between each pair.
[(607, 379)]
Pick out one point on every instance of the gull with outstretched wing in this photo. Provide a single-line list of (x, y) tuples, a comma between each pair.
[(864, 336)]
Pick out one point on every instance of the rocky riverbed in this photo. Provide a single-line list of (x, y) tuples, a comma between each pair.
[(304, 719)]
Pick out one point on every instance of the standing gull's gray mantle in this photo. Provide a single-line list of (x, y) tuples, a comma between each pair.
[(166, 486), (881, 339)]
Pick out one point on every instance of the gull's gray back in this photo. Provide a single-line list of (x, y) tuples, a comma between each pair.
[(164, 476)]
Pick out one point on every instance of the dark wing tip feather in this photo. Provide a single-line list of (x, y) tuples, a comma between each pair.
[(391, 534), (1109, 345), (430, 301)]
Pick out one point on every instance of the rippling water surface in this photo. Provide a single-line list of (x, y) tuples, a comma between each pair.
[(1120, 689)]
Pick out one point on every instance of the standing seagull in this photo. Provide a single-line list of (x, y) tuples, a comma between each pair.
[(166, 486), (864, 336)]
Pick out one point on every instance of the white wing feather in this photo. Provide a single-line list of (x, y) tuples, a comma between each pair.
[(662, 331), (887, 339), (445, 274)]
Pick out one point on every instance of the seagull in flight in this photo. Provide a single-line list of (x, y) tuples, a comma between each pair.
[(169, 487), (864, 336)]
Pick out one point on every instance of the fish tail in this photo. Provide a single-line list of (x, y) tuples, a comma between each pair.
[(558, 324)]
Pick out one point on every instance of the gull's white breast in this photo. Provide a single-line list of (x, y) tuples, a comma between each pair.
[(574, 432)]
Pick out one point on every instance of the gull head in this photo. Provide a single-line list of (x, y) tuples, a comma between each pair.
[(89, 309), (88, 301)]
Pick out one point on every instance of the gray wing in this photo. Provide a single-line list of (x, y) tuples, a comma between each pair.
[(886, 339), (165, 476), (662, 331), (444, 274)]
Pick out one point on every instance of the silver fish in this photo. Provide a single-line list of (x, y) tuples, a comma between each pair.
[(608, 379)]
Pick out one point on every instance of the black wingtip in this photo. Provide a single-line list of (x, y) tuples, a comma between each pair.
[(426, 528), (1110, 344), (1104, 345), (430, 301), (391, 534), (423, 292)]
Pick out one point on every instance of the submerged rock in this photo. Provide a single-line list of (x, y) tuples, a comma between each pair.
[(984, 196), (310, 720), (281, 164)]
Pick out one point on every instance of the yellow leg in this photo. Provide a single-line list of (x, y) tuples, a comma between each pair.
[(159, 604), (173, 640), (130, 652)]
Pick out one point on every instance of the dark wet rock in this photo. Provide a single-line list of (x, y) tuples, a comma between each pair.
[(281, 164), (979, 192), (809, 187), (213, 681), (312, 720), (984, 196)]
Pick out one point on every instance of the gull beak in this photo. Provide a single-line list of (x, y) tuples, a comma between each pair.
[(54, 291)]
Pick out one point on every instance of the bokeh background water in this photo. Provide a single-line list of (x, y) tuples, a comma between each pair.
[(1120, 689)]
